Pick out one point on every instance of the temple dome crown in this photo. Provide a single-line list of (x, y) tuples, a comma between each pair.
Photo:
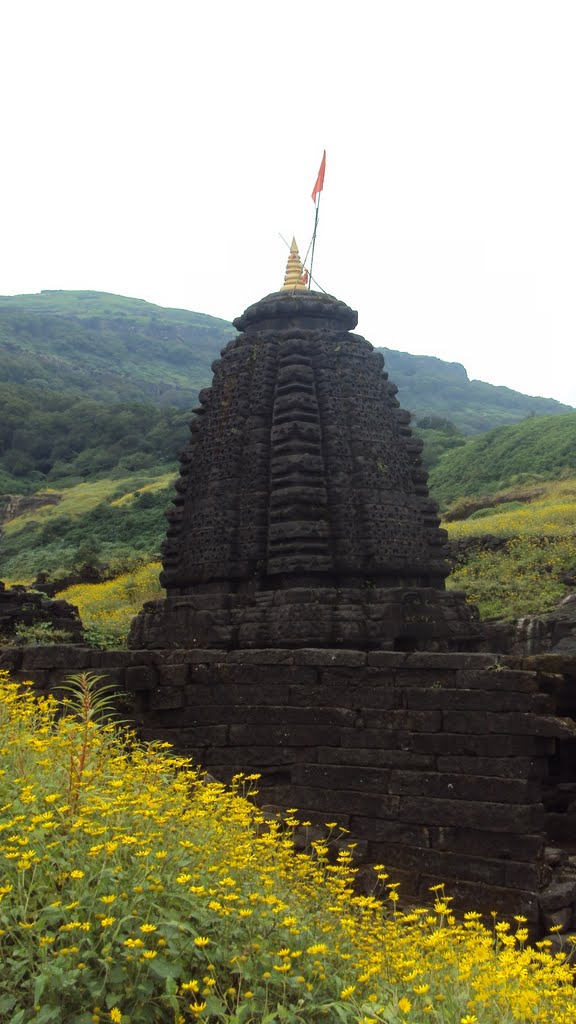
[(307, 309)]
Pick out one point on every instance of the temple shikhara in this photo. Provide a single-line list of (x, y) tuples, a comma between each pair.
[(302, 515)]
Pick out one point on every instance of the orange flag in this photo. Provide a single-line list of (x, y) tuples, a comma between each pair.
[(320, 179)]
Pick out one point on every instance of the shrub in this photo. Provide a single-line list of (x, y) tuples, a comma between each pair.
[(136, 891), (37, 634), (507, 506)]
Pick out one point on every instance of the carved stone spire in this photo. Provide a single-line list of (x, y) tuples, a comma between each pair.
[(293, 279), (302, 516)]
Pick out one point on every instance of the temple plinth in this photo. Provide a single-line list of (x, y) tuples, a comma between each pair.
[(302, 516)]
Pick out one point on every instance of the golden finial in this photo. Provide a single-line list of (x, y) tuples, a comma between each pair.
[(295, 278)]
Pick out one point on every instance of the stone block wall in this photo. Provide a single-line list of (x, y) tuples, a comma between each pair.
[(436, 763)]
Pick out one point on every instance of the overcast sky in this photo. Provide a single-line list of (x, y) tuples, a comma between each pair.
[(157, 149)]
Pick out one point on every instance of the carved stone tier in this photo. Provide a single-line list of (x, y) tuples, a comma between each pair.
[(302, 515)]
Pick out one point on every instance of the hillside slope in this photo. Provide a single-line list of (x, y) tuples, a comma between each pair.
[(517, 557), (428, 386), (109, 347), (540, 446)]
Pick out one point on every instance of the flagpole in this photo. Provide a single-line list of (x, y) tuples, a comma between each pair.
[(314, 241)]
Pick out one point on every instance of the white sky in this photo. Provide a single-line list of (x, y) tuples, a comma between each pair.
[(156, 149)]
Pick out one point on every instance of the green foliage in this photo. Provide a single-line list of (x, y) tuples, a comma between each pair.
[(38, 634), (505, 506), (113, 522), (526, 575), (439, 436), (103, 346), (88, 699), (539, 447), (47, 437)]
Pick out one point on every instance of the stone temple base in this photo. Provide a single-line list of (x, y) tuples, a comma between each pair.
[(371, 618)]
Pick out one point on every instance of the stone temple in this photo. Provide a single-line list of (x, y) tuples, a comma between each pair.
[(302, 516)]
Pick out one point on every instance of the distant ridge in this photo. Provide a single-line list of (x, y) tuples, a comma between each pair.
[(429, 386), (109, 347)]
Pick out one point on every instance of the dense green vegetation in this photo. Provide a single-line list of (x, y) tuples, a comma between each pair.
[(530, 569), (439, 435), (107, 522), (432, 387), (47, 437), (540, 446), (108, 347)]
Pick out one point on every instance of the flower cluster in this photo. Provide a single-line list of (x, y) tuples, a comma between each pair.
[(110, 606), (133, 890)]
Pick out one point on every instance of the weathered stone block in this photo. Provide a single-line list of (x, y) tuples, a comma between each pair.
[(501, 767), (473, 700), (354, 803), (342, 777), (164, 698), (464, 787), (488, 817), (174, 675), (390, 831), (524, 876), (484, 746), (295, 736), (558, 894), (189, 738), (379, 738), (375, 757), (247, 758), (102, 660), (451, 661), (320, 657), (491, 845), (511, 724), (71, 658), (402, 720), (263, 657), (11, 658), (140, 677), (386, 659), (500, 678)]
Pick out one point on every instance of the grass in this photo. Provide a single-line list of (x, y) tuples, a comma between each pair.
[(111, 522), (76, 501), (525, 576), (538, 447), (133, 891)]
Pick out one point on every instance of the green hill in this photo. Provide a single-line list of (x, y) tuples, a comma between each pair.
[(540, 446), (428, 386), (107, 346), (110, 347)]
